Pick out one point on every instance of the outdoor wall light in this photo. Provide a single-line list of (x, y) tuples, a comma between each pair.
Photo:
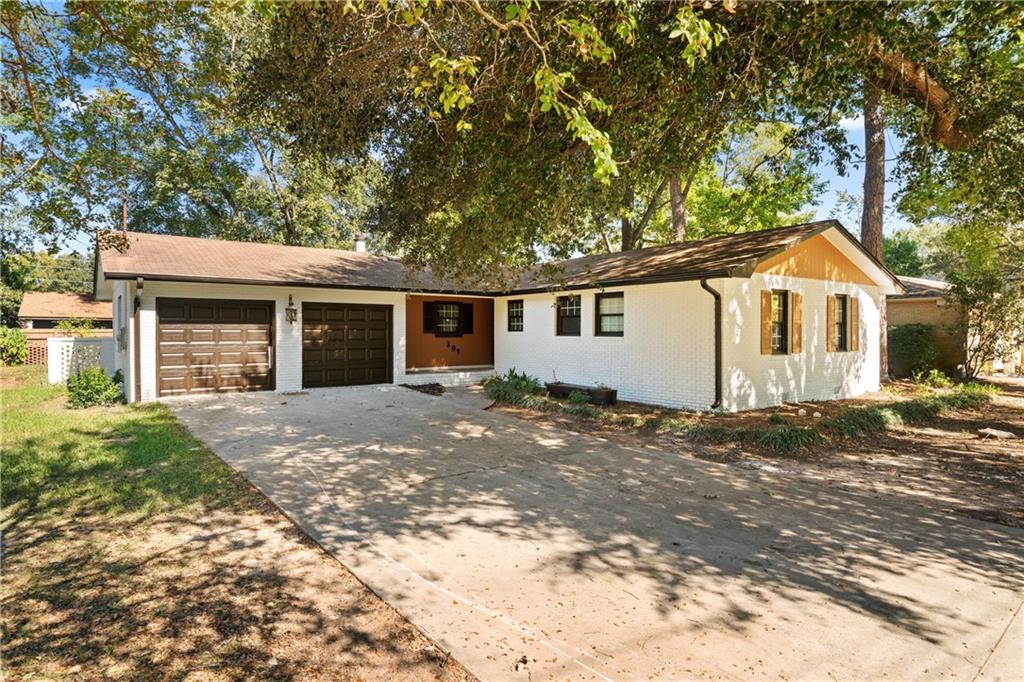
[(290, 313)]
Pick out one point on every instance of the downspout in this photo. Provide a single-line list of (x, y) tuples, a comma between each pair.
[(718, 343), (137, 372)]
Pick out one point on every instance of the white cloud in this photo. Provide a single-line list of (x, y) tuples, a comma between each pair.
[(855, 123)]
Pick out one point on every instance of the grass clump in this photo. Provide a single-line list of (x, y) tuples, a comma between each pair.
[(782, 438), (858, 421), (934, 378)]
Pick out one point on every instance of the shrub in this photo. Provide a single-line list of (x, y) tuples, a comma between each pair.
[(13, 346), (578, 398), (93, 386), (911, 348), (934, 378), (511, 387), (76, 326)]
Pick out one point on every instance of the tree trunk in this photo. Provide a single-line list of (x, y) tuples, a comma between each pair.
[(678, 203), (628, 234), (872, 217), (678, 194)]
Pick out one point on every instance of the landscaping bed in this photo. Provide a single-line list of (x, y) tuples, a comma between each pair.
[(907, 439), (132, 552)]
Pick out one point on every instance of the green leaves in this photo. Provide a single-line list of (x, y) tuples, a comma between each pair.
[(697, 34)]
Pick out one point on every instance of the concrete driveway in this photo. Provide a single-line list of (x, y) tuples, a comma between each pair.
[(532, 553)]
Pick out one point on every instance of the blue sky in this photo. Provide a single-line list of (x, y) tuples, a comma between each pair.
[(853, 182)]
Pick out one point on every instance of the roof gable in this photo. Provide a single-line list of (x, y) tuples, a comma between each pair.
[(815, 258)]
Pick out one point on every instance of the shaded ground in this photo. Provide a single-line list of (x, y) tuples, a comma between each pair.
[(131, 552), (944, 463), (534, 552)]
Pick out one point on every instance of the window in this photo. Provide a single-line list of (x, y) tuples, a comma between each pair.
[(780, 322), (839, 330), (447, 318), (568, 316), (610, 319), (515, 316)]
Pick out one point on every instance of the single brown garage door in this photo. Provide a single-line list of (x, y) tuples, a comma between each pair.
[(206, 345), (345, 344)]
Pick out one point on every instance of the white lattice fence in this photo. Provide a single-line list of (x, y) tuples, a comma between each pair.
[(66, 355)]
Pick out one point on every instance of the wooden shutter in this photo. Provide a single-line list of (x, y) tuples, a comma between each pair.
[(830, 324), (796, 323), (766, 323), (466, 318), (428, 316), (854, 323)]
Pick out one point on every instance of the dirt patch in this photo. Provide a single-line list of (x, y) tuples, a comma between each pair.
[(216, 596), (429, 389), (943, 463)]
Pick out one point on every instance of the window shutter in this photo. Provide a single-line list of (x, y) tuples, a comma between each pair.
[(428, 317), (854, 323), (766, 323), (467, 318), (796, 324), (830, 324)]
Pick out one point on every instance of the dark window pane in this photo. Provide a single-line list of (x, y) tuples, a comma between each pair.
[(568, 316)]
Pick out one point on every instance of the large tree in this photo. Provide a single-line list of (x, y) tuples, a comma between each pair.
[(502, 127), (121, 113)]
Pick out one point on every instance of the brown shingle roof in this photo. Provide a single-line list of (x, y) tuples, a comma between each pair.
[(47, 305), (919, 287), (164, 257), (733, 255)]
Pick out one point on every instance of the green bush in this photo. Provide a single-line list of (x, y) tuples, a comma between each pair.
[(578, 398), (935, 378), (511, 387), (13, 346), (911, 348), (76, 326), (93, 386)]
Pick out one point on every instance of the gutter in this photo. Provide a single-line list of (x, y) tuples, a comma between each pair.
[(718, 343), (137, 372)]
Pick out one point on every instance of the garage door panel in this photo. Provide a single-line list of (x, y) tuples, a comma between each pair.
[(208, 345), (345, 344)]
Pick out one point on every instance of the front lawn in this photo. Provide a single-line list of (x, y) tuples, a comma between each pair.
[(131, 551)]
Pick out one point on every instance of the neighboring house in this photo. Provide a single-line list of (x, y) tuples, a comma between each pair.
[(923, 302), (42, 311), (735, 322)]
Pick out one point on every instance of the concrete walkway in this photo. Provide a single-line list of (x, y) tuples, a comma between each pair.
[(541, 554)]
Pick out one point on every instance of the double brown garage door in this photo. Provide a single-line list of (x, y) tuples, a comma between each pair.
[(345, 344), (210, 345), (206, 345)]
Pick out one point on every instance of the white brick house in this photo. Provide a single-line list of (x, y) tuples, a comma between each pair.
[(797, 319)]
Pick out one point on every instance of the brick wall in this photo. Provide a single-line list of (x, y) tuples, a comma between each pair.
[(950, 345), (753, 380), (665, 355)]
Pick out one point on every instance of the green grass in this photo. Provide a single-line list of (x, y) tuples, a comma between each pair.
[(858, 421), (136, 459), (784, 438)]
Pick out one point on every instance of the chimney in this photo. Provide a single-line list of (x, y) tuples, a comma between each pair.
[(360, 242)]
